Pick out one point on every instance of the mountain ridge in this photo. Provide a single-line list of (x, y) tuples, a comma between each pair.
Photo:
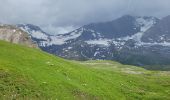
[(126, 39)]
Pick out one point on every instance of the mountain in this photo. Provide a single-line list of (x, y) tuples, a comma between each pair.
[(160, 33), (31, 74), (14, 34), (128, 39)]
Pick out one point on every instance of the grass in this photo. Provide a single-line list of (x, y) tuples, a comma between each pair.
[(27, 73)]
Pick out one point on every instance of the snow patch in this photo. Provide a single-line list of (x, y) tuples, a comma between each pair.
[(156, 43), (70, 48), (145, 23), (62, 39), (94, 35), (39, 35), (95, 54), (100, 41)]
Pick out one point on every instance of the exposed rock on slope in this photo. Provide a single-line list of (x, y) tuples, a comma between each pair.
[(13, 34)]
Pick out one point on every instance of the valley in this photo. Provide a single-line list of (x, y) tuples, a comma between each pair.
[(28, 73), (84, 50)]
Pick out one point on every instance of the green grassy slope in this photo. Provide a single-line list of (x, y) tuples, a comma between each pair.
[(27, 73)]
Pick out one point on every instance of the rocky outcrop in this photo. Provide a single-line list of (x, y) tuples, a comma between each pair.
[(13, 34)]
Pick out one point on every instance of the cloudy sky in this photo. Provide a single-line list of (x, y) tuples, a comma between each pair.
[(61, 16)]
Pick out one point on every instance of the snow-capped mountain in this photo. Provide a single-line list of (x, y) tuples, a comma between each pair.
[(160, 33), (129, 39)]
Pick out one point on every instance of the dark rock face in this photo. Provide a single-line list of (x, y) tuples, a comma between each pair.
[(118, 28), (129, 40)]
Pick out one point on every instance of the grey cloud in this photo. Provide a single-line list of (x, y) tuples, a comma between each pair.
[(56, 15)]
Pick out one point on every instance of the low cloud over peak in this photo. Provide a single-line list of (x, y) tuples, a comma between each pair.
[(59, 16)]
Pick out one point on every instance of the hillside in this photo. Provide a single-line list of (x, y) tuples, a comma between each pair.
[(27, 73)]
